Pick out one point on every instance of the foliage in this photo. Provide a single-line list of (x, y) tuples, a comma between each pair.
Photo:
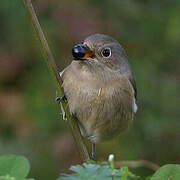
[(14, 168), (91, 171), (169, 172)]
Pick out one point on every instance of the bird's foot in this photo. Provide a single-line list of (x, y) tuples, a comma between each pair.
[(92, 157), (62, 98)]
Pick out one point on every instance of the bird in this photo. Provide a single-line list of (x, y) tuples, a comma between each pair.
[(100, 88)]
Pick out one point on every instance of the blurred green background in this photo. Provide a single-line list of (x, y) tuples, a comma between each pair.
[(30, 120)]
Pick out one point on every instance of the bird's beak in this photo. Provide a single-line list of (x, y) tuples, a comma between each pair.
[(82, 52)]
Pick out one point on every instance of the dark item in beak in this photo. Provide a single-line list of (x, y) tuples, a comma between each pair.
[(82, 52), (78, 51)]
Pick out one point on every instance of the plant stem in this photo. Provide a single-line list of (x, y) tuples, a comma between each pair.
[(73, 124), (136, 164)]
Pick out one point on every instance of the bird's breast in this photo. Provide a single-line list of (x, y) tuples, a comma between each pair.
[(103, 108)]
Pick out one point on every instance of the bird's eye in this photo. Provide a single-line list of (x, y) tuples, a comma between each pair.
[(106, 52)]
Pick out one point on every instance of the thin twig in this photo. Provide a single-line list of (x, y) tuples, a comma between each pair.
[(136, 164), (73, 124)]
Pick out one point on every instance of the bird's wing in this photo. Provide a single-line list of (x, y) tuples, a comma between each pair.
[(133, 83)]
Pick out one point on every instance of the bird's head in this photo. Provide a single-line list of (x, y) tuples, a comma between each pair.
[(102, 49)]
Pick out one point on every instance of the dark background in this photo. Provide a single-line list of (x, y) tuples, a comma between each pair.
[(30, 120)]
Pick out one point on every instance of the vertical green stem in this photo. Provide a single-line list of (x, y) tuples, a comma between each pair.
[(73, 124)]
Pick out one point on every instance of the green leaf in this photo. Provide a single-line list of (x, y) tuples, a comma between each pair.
[(90, 172), (7, 177), (167, 172), (126, 174), (93, 171), (12, 166)]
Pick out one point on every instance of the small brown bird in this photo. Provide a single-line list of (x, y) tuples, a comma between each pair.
[(100, 88)]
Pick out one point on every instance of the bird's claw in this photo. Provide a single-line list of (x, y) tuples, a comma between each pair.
[(62, 98), (59, 100)]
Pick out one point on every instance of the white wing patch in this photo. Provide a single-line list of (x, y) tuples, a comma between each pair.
[(135, 107), (61, 73)]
